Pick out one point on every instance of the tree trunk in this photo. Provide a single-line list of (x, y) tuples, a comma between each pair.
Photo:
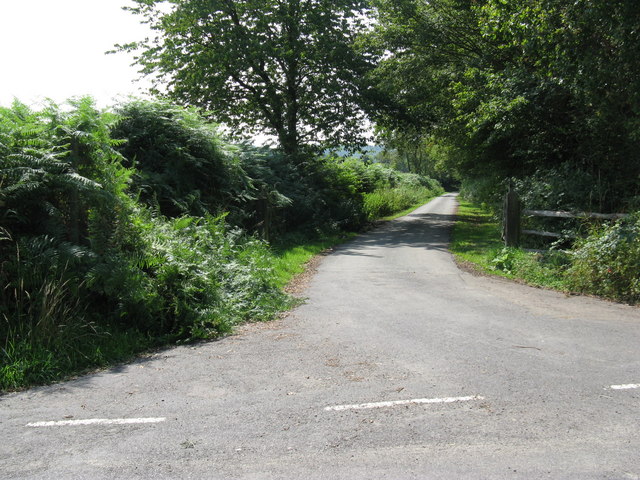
[(291, 143)]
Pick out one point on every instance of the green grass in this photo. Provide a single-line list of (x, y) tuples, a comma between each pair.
[(476, 240), (410, 209), (294, 252), (23, 364), (475, 236)]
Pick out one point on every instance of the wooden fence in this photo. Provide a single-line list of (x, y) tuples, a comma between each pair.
[(513, 220)]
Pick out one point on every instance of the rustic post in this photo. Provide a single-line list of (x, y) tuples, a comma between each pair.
[(511, 223)]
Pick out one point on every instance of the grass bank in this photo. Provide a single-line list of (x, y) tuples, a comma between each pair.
[(476, 242), (292, 255)]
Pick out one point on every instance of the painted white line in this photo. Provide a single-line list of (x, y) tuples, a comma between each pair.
[(97, 421), (415, 401), (629, 386)]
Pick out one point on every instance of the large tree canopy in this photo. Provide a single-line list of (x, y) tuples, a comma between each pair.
[(518, 88), (285, 67)]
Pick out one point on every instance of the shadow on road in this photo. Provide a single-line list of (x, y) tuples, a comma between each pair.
[(429, 231)]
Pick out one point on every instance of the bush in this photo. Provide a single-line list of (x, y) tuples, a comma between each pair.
[(542, 269), (563, 188), (182, 165), (84, 266), (607, 263)]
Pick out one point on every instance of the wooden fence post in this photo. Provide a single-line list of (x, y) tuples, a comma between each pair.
[(511, 223)]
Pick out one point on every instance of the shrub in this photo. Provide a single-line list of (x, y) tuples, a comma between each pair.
[(387, 201), (607, 263), (182, 165), (539, 268), (84, 266)]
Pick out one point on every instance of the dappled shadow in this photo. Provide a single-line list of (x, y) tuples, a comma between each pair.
[(430, 231)]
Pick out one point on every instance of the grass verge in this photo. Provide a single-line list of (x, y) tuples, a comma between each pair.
[(294, 253), (410, 209), (476, 242)]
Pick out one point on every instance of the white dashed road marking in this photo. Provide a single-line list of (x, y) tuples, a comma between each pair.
[(97, 421), (415, 401), (629, 386)]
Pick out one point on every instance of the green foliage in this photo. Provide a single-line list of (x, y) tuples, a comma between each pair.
[(387, 201), (288, 68), (542, 269), (197, 279), (607, 263), (183, 167), (563, 188), (181, 163), (59, 170), (517, 89), (83, 264), (476, 240)]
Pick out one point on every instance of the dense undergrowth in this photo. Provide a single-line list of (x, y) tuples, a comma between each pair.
[(604, 262), (121, 231)]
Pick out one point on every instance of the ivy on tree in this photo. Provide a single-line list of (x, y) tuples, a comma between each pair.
[(285, 67)]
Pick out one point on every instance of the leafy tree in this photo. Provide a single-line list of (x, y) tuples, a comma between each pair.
[(286, 67), (518, 88)]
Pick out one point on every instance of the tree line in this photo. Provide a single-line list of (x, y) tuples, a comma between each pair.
[(544, 92), (482, 91)]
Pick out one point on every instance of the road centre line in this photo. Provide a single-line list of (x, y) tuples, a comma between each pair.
[(97, 421), (629, 386), (415, 401)]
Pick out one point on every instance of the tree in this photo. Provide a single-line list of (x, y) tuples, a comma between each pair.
[(285, 67), (523, 88)]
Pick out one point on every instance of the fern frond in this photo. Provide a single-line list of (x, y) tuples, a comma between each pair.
[(84, 182)]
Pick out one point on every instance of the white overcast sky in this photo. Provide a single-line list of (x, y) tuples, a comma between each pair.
[(56, 49)]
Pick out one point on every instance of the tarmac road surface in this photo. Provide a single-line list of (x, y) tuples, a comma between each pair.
[(399, 366)]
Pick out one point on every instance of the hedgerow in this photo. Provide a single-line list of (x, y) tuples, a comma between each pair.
[(122, 231)]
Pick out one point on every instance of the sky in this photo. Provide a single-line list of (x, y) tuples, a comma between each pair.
[(56, 49)]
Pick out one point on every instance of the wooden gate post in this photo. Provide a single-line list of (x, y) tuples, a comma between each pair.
[(511, 223)]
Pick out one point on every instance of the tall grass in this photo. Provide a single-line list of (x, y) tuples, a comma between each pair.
[(387, 201)]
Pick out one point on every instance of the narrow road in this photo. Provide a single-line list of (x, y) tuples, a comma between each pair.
[(399, 366)]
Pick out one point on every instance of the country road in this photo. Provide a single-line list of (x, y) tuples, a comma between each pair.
[(398, 366)]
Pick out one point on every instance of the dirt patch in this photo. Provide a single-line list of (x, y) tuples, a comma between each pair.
[(470, 267), (300, 282)]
